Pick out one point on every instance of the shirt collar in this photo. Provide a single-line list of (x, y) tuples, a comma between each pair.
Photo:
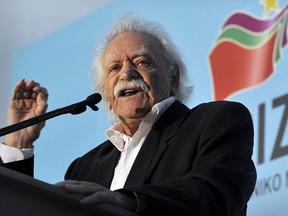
[(116, 133)]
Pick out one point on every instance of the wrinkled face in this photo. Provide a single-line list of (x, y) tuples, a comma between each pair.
[(136, 75)]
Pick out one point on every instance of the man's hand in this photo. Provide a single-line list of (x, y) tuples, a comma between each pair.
[(28, 100), (96, 193)]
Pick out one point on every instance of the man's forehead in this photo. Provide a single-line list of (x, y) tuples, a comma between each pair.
[(133, 52)]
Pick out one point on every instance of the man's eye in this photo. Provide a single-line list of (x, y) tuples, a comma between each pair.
[(115, 68), (144, 63)]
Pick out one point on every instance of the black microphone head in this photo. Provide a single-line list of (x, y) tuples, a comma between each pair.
[(93, 99)]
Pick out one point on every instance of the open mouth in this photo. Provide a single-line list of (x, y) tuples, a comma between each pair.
[(128, 92)]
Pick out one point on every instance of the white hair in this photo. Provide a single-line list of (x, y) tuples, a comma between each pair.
[(171, 54)]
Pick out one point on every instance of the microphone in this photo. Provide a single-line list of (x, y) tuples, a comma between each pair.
[(73, 109), (90, 101)]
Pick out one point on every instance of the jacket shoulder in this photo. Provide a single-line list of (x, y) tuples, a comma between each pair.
[(222, 107)]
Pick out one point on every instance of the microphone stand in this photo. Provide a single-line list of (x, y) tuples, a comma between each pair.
[(73, 109)]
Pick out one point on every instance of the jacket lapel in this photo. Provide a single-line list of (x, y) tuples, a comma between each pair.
[(105, 167), (156, 143)]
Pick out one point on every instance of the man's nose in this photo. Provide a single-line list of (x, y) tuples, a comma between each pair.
[(129, 72)]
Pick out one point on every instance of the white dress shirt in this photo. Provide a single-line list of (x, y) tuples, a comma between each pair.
[(130, 146), (10, 154)]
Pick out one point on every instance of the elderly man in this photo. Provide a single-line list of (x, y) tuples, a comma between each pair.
[(161, 158)]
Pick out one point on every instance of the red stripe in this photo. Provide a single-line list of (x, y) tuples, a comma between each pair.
[(235, 68)]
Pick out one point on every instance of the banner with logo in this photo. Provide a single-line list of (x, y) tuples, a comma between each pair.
[(234, 50)]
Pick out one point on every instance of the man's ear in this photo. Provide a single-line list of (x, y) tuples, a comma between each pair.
[(174, 74)]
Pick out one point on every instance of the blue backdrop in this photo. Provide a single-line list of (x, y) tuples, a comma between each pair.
[(62, 63)]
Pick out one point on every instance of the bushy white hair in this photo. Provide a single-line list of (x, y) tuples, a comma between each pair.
[(130, 23)]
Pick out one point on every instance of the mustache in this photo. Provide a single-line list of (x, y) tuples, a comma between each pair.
[(134, 84)]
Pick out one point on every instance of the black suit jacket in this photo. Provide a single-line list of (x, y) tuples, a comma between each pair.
[(193, 162)]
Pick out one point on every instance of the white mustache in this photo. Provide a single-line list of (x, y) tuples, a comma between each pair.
[(133, 84)]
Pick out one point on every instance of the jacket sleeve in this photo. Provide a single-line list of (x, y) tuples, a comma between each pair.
[(24, 166)]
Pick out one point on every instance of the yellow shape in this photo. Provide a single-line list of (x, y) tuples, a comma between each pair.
[(270, 5)]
